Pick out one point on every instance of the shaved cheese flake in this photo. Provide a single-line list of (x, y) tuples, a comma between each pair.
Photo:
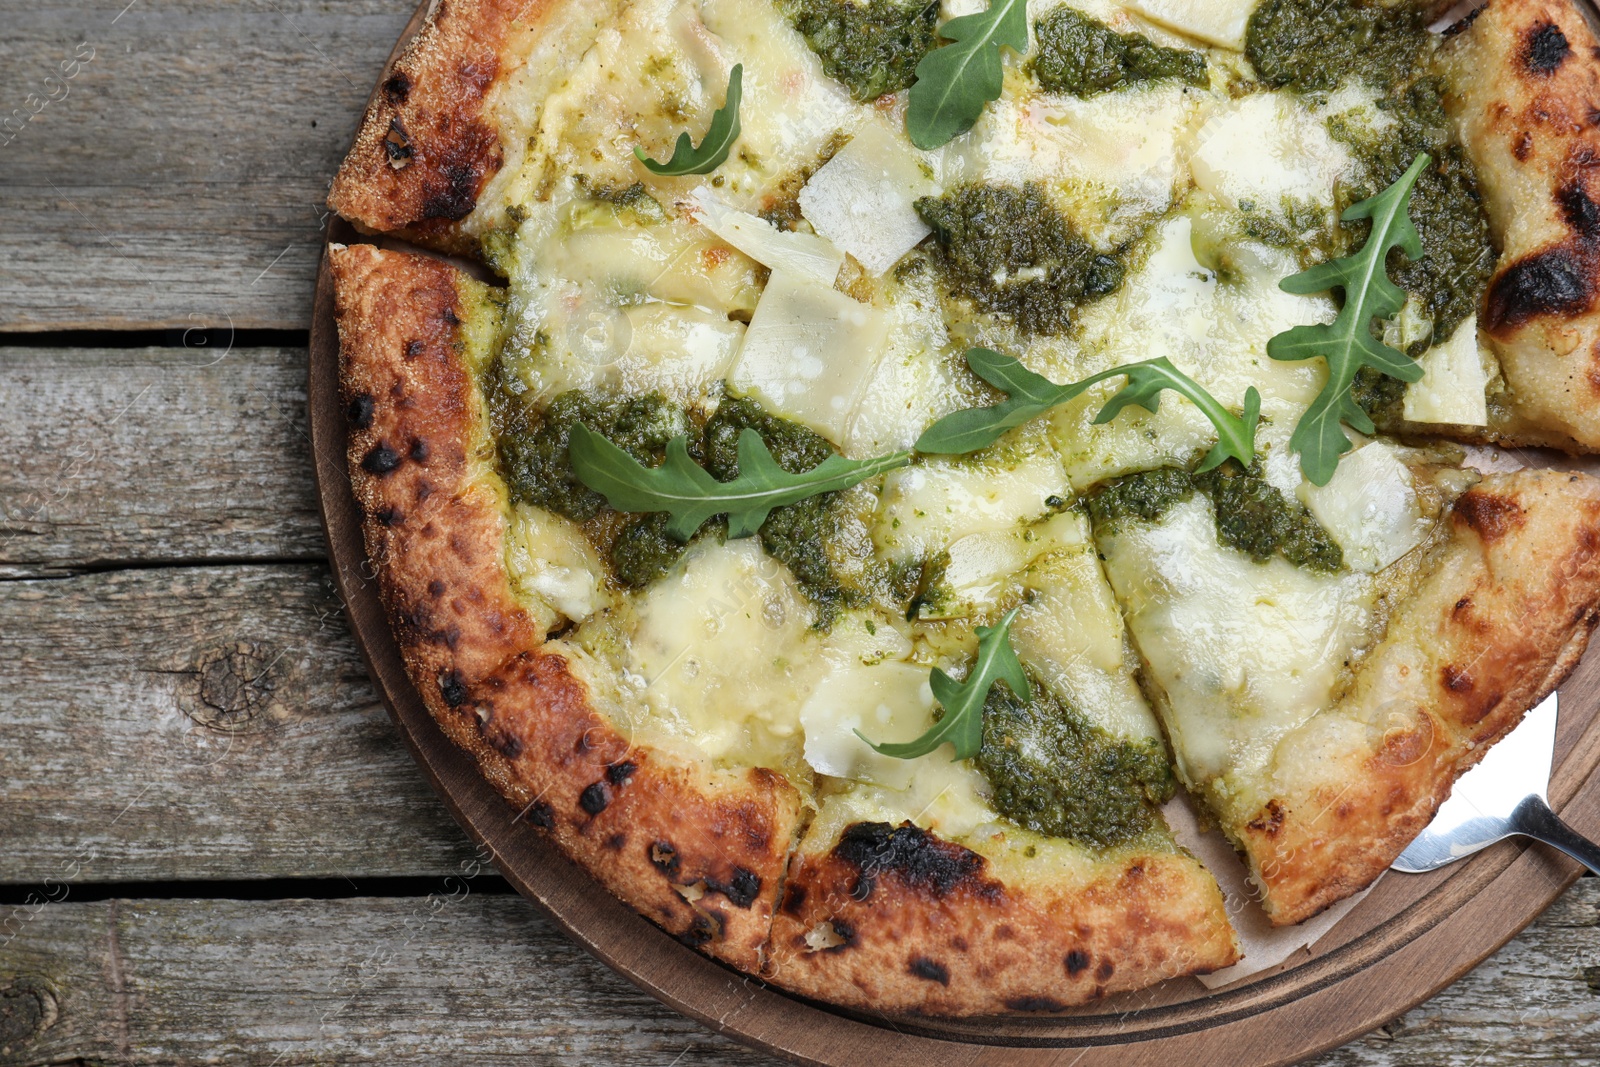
[(1453, 382), (1220, 22), (886, 701), (808, 352), (803, 254), (862, 199)]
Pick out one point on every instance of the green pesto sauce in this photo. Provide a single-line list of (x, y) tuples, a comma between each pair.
[(1009, 251), (1317, 45), (795, 535), (1055, 773), (1251, 514), (1084, 57), (1258, 520), (872, 46), (538, 467)]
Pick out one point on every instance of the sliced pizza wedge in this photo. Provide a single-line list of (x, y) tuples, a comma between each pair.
[(1323, 683)]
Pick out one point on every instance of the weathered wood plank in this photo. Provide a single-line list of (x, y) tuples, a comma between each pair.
[(177, 177), (153, 454), (200, 723), (467, 978)]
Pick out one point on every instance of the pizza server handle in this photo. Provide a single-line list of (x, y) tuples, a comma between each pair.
[(1533, 818)]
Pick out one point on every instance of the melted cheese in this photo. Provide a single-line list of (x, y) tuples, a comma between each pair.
[(722, 653), (552, 562), (928, 506), (1267, 148), (1242, 651), (1370, 507)]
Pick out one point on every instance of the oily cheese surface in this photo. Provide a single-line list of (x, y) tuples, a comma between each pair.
[(692, 729)]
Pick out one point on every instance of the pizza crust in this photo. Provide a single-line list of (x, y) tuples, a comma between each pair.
[(895, 919), (654, 828), (1496, 626), (1524, 79)]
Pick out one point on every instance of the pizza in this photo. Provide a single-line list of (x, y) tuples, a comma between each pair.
[(882, 452)]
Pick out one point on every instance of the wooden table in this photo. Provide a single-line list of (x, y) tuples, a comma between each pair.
[(213, 846)]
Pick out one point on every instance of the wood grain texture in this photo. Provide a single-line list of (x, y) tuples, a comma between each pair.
[(200, 723), (147, 455), (463, 978), (178, 178)]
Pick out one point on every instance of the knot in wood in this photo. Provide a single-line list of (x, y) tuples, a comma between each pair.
[(28, 1007), (233, 685)]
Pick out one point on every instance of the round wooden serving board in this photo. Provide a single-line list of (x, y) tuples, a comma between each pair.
[(1409, 938)]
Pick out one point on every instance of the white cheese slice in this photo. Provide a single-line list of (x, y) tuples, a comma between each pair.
[(807, 353), (1219, 22), (862, 199), (1453, 382), (1244, 651), (1369, 506), (1261, 149), (804, 255)]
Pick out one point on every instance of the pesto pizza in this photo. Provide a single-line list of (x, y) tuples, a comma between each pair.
[(889, 449)]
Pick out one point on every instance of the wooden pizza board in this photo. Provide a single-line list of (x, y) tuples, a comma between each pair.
[(1409, 938)]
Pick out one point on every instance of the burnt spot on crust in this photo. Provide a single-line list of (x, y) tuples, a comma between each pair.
[(794, 898), (453, 193), (1034, 1003), (1463, 606), (453, 689), (914, 857), (380, 460), (1579, 209), (595, 798), (1523, 148), (619, 772), (359, 411), (1544, 49), (845, 932), (699, 933), (1077, 962), (1270, 821), (616, 842), (1104, 972), (389, 516), (418, 450), (413, 349), (541, 814), (436, 587), (741, 890), (396, 87), (664, 857), (1490, 516), (1557, 281), (1455, 679), (501, 739), (929, 970)]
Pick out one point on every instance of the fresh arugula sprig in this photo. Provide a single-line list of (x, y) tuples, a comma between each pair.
[(687, 491), (714, 149), (955, 82), (1347, 343), (1029, 395), (962, 722)]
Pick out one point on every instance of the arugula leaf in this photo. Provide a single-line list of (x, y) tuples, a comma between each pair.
[(1030, 395), (688, 492), (713, 150), (1347, 343), (956, 81), (962, 722)]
